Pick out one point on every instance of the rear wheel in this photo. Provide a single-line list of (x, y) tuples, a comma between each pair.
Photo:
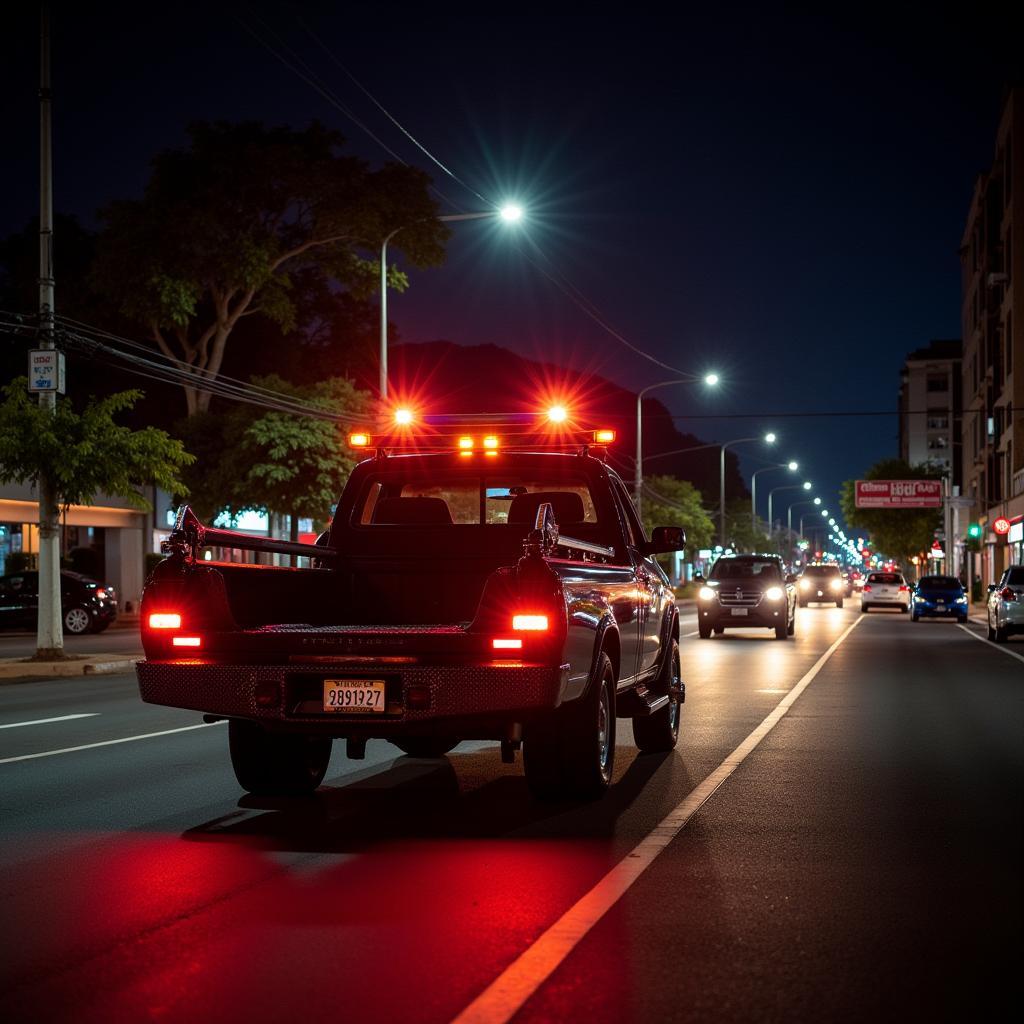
[(914, 617), (864, 607), (571, 756), (991, 629), (1002, 634), (703, 630), (426, 746), (659, 732), (276, 764)]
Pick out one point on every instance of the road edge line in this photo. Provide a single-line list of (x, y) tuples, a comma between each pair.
[(985, 640), (509, 992), (106, 743)]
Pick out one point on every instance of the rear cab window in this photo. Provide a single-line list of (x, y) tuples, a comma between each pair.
[(891, 578)]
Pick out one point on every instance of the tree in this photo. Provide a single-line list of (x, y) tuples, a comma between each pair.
[(85, 453), (898, 532), (275, 462), (672, 502), (226, 226)]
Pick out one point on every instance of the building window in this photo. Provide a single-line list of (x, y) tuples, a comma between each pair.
[(938, 382), (938, 419)]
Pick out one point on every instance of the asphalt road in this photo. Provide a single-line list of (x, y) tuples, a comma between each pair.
[(838, 836), (119, 638)]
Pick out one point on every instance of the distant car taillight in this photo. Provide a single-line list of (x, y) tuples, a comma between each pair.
[(904, 588), (867, 586), (165, 620)]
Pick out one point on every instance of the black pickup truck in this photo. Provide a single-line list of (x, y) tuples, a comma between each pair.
[(457, 595)]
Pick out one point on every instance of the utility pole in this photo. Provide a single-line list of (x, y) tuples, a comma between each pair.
[(49, 635)]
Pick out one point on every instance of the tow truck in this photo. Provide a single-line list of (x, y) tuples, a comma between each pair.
[(472, 585)]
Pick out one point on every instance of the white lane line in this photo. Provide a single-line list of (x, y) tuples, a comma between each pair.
[(507, 994), (985, 640), (46, 721), (694, 633), (107, 743)]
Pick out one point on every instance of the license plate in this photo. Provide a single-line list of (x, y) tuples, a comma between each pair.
[(354, 696), (739, 611), (940, 601)]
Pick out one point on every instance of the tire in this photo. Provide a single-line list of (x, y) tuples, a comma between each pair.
[(904, 608), (426, 746), (1002, 634), (839, 603), (658, 733), (914, 617), (276, 764), (962, 620), (571, 756), (704, 631), (719, 630), (77, 620), (864, 608), (781, 632), (991, 630)]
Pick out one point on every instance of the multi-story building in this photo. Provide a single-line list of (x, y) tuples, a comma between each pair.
[(992, 260), (930, 400)]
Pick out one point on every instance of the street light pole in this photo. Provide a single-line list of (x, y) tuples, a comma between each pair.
[(638, 472), (806, 485), (791, 466), (768, 439), (509, 213), (789, 522)]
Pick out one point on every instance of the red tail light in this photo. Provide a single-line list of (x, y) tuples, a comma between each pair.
[(1007, 594), (867, 586), (165, 620), (187, 641), (500, 644), (903, 588), (529, 622)]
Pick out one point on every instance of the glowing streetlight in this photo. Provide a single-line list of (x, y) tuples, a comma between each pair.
[(510, 213), (768, 439), (792, 466), (711, 379)]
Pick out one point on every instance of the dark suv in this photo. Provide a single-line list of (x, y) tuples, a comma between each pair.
[(821, 583), (87, 606), (747, 590)]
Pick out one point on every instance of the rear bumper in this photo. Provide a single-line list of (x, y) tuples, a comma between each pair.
[(944, 611), (475, 699)]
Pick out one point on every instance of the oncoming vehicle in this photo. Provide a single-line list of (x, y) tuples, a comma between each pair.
[(87, 605), (938, 597), (821, 584), (747, 590), (1006, 605), (466, 589), (885, 590)]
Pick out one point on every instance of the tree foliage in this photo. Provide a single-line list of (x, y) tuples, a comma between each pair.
[(275, 462), (86, 453), (899, 533), (672, 502), (226, 227)]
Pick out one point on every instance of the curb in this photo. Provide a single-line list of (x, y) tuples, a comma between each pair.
[(12, 669)]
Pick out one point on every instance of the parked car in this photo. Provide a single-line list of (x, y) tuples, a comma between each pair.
[(1006, 605), (885, 590), (939, 596), (88, 606), (747, 590), (821, 583)]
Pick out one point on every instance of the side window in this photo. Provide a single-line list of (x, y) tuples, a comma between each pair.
[(635, 529)]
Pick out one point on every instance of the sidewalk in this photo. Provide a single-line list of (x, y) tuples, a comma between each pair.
[(82, 665)]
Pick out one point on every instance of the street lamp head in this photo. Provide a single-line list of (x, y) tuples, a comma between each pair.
[(817, 501), (824, 511), (831, 522), (711, 379), (511, 213), (807, 485), (769, 439), (794, 466)]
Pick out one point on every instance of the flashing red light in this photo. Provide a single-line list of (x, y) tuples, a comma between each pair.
[(521, 623), (507, 645), (187, 641), (490, 442), (165, 620), (403, 417), (558, 414), (359, 440), (465, 444)]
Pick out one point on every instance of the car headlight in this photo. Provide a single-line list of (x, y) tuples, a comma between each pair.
[(774, 593), (706, 594), (962, 599), (805, 585), (918, 597), (835, 584)]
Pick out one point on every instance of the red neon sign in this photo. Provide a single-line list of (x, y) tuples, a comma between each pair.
[(1001, 526)]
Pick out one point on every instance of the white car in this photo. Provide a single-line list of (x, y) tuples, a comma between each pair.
[(885, 590), (1006, 605)]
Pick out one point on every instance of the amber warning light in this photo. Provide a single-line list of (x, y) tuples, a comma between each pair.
[(358, 440), (604, 436)]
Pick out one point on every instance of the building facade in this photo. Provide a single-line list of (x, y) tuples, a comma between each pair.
[(930, 402), (992, 262)]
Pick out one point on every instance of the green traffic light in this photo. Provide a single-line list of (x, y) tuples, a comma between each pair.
[(974, 530)]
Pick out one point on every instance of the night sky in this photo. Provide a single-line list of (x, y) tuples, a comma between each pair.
[(777, 198)]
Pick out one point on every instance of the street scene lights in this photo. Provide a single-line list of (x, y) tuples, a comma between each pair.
[(768, 438), (792, 466), (710, 379), (510, 213), (805, 486)]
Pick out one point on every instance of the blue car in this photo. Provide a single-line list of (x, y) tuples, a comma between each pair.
[(939, 596)]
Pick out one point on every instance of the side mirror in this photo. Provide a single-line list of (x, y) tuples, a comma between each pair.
[(991, 587), (665, 539), (698, 577), (790, 578)]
